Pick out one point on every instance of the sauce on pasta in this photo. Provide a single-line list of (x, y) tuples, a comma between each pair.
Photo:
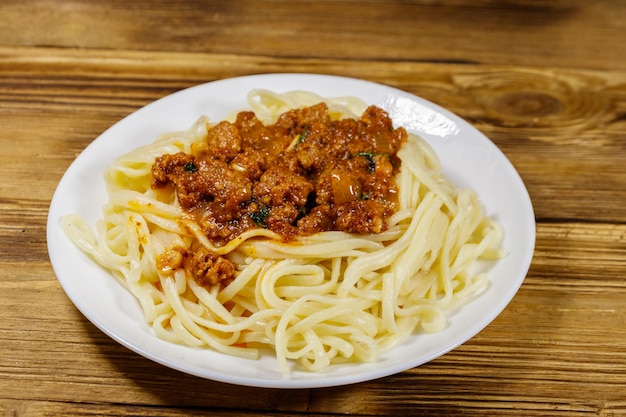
[(292, 227), (302, 175)]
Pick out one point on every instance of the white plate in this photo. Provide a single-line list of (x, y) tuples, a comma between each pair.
[(468, 158)]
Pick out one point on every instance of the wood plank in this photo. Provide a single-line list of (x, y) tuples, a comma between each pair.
[(577, 33), (547, 354), (73, 409), (69, 409), (562, 129)]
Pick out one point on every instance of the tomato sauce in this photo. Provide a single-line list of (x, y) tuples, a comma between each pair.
[(302, 175)]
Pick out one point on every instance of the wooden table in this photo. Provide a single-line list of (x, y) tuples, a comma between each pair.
[(546, 81)]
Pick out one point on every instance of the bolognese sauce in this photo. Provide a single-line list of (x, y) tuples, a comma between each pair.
[(302, 175)]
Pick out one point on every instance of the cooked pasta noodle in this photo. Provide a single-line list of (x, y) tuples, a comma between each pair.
[(322, 299)]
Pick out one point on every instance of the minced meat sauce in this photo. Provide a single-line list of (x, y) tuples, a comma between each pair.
[(302, 175)]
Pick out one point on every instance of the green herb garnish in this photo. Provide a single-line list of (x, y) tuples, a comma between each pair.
[(259, 216), (371, 164), (305, 134)]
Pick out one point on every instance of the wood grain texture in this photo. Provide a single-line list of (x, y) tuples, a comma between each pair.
[(515, 32), (548, 353), (546, 81), (562, 129)]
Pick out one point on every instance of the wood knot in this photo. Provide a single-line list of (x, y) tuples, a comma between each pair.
[(539, 104), (526, 104)]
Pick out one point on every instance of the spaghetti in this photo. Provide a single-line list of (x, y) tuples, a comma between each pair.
[(314, 299)]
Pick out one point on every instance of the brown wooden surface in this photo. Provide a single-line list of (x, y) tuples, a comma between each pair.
[(545, 80)]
